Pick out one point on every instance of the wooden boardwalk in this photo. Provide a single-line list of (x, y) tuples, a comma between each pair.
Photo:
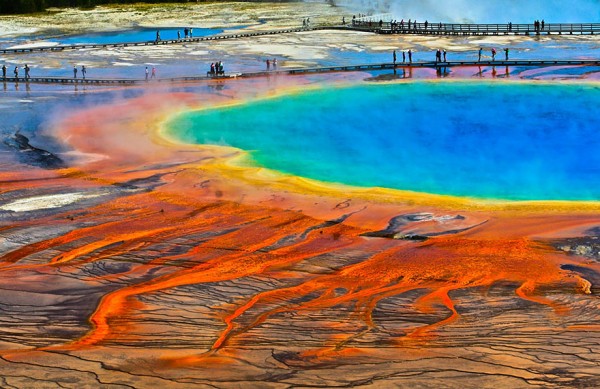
[(374, 27), (326, 69), (475, 29), (34, 49), (432, 64)]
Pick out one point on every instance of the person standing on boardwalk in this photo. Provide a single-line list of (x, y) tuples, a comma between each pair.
[(74, 71), (83, 71), (394, 57), (26, 72), (4, 71), (480, 52), (153, 72), (506, 53)]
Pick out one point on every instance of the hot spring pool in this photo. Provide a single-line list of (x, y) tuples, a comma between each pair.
[(140, 34), (518, 141)]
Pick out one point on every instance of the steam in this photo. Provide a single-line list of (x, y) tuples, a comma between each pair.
[(483, 11)]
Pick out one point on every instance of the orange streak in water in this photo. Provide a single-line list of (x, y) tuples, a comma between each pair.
[(500, 250)]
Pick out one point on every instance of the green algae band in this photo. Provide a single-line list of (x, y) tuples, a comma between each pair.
[(519, 141)]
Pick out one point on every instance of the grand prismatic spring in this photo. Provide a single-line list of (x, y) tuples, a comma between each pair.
[(423, 226)]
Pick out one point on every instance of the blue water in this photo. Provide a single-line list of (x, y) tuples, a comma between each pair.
[(135, 35), (488, 140)]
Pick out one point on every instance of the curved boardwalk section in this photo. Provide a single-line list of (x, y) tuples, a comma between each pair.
[(150, 43), (367, 26)]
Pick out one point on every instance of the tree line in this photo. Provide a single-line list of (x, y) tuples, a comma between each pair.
[(30, 6)]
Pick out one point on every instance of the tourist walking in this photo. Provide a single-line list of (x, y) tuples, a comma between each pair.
[(26, 71), (4, 71), (506, 53), (16, 71), (480, 52), (75, 71)]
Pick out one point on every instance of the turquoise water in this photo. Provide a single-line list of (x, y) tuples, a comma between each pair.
[(488, 140), (134, 35)]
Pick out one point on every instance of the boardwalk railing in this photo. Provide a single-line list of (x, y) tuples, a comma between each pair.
[(341, 68), (476, 29), (433, 64)]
